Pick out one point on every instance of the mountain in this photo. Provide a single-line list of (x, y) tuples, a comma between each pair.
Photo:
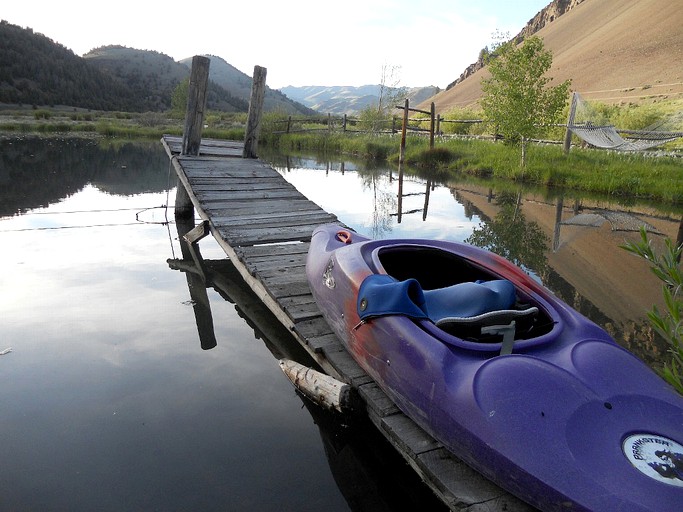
[(154, 76), (36, 70), (149, 75), (614, 51), (239, 85), (348, 100)]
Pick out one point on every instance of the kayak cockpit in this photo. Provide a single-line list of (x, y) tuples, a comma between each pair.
[(455, 299)]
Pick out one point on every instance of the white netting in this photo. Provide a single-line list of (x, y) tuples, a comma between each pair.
[(591, 126)]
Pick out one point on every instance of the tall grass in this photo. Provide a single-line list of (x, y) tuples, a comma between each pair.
[(612, 173)]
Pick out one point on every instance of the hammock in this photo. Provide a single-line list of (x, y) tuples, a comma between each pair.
[(607, 137), (589, 125)]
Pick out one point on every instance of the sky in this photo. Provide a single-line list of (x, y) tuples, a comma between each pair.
[(299, 42)]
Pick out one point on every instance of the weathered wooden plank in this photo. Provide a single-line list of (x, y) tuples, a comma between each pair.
[(377, 400), (291, 275), (277, 291), (275, 263), (237, 184), (275, 250), (321, 344), (300, 308), (345, 365), (313, 328), (247, 195), (274, 206), (248, 236), (208, 146), (260, 218), (241, 223), (462, 487)]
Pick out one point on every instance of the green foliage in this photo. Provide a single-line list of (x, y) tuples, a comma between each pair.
[(42, 114), (668, 323), (517, 99), (463, 114), (372, 119), (179, 98), (437, 157)]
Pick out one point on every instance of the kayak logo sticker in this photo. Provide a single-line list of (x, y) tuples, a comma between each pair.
[(658, 457), (328, 279)]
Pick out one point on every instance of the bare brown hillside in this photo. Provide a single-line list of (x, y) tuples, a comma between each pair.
[(612, 50)]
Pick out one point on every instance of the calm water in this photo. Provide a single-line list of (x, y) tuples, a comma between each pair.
[(108, 400)]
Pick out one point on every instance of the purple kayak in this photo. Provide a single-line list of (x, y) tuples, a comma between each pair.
[(506, 376)]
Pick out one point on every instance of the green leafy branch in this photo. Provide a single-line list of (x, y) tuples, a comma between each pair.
[(666, 266)]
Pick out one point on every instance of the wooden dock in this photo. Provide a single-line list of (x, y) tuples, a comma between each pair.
[(264, 225)]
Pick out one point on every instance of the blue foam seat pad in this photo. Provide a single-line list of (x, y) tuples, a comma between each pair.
[(469, 299), (381, 295)]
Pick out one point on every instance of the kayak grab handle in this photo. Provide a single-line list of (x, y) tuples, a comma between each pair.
[(343, 236)]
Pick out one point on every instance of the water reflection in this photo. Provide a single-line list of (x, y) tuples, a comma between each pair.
[(36, 172), (370, 474), (555, 236), (109, 403)]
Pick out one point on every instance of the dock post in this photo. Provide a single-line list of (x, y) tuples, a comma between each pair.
[(258, 90), (194, 121)]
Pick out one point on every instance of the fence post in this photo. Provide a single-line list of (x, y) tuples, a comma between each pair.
[(402, 153), (438, 125), (289, 123), (431, 126), (344, 124), (192, 130), (258, 90), (570, 122), (329, 122)]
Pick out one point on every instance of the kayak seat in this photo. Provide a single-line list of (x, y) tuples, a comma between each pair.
[(481, 311), (468, 300)]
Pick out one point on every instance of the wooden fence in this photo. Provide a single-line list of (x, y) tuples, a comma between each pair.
[(351, 124)]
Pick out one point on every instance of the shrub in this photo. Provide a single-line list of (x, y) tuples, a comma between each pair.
[(669, 323)]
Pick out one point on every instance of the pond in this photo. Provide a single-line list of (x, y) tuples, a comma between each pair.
[(112, 401)]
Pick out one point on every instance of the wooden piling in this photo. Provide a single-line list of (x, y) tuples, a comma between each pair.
[(194, 122), (258, 91), (196, 103)]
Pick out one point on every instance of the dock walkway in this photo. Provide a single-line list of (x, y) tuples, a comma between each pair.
[(264, 225)]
